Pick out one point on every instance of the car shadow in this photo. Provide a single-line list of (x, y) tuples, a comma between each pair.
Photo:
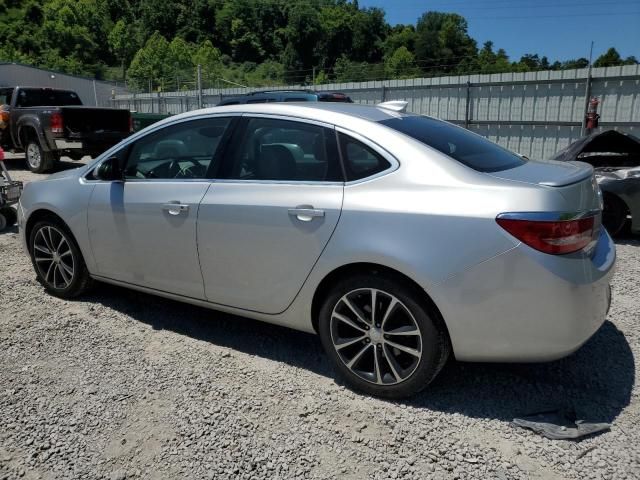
[(596, 382)]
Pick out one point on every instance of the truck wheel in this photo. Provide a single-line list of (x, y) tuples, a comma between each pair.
[(38, 160), (9, 217)]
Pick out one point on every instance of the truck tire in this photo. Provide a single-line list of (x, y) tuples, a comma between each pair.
[(38, 160)]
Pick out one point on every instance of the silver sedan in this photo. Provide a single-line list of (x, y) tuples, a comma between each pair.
[(400, 239)]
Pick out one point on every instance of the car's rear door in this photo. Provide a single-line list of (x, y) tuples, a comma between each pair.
[(143, 229), (264, 223)]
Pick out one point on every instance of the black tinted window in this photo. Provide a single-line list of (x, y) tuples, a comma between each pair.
[(360, 161), (282, 150), (185, 150), (467, 148), (5, 96), (43, 97)]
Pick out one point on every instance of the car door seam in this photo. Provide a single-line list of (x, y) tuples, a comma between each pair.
[(204, 287), (304, 282)]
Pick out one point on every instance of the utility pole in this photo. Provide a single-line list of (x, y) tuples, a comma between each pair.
[(199, 84), (587, 94), (313, 77)]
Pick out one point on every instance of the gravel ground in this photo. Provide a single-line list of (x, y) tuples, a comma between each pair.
[(120, 384)]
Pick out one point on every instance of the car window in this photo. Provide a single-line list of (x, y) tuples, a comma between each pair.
[(360, 161), (180, 151), (467, 148), (283, 150)]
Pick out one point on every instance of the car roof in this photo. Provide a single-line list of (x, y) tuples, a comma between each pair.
[(334, 113)]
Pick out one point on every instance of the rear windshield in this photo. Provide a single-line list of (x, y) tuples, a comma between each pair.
[(42, 97), (472, 150)]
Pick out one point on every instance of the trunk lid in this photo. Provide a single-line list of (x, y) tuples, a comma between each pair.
[(575, 181), (548, 173)]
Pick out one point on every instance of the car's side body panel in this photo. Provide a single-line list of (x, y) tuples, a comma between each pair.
[(255, 254), (135, 237)]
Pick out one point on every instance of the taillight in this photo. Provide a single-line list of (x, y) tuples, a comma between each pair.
[(56, 123), (556, 237)]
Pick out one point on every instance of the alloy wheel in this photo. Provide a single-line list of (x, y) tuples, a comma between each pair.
[(33, 156), (53, 257), (376, 336)]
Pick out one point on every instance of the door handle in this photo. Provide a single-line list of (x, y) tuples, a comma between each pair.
[(175, 208), (305, 213)]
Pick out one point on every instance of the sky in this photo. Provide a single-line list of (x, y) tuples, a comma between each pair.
[(557, 29)]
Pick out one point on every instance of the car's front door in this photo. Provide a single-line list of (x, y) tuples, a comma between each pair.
[(264, 224), (143, 229)]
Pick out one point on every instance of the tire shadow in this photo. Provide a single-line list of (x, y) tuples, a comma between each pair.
[(596, 381)]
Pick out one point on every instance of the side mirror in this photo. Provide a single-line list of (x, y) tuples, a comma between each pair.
[(110, 170)]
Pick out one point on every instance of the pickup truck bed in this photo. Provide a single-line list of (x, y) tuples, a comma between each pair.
[(48, 123)]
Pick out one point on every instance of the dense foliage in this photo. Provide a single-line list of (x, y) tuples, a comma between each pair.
[(157, 43)]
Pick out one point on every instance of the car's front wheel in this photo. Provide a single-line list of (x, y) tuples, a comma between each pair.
[(57, 259), (382, 336)]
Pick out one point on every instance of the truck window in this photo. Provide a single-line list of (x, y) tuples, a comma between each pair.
[(5, 96), (44, 97)]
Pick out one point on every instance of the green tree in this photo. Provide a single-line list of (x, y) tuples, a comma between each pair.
[(611, 58), (123, 43), (151, 64), (442, 42), (209, 58), (400, 36), (401, 64)]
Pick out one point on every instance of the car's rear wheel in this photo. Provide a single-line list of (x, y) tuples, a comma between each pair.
[(38, 160), (614, 214), (382, 336), (57, 260)]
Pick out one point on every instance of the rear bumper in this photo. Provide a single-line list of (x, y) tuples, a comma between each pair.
[(527, 306)]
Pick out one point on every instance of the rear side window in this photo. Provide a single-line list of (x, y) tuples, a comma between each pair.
[(467, 148), (360, 161), (283, 150), (5, 96)]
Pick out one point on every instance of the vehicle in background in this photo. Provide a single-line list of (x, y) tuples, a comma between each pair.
[(143, 120), (267, 96), (615, 157), (397, 238), (48, 123)]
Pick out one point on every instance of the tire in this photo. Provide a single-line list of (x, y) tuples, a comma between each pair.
[(10, 217), (412, 324), (57, 259), (614, 214), (37, 159), (3, 221)]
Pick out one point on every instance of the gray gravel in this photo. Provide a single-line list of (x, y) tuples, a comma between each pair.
[(123, 385)]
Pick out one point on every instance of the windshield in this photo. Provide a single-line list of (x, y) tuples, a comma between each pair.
[(472, 150), (44, 97)]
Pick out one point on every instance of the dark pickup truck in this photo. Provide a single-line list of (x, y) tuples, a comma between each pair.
[(48, 123)]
